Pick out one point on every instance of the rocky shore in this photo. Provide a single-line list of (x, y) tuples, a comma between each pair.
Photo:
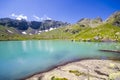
[(90, 69)]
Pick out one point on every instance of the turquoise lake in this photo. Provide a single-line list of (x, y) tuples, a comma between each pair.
[(19, 59)]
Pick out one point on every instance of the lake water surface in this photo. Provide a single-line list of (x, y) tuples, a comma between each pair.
[(19, 59)]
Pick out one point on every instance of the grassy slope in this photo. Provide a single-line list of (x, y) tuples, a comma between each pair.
[(54, 34), (67, 32), (5, 35), (105, 31)]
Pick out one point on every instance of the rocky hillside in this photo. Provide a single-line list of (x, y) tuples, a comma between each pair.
[(85, 22), (90, 30), (114, 19)]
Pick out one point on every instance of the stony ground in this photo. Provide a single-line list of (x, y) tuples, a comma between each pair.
[(83, 70)]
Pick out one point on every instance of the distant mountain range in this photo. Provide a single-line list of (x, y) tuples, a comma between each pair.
[(84, 30), (23, 25)]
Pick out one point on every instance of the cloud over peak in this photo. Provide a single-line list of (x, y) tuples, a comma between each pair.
[(45, 17), (19, 17), (41, 18), (36, 18)]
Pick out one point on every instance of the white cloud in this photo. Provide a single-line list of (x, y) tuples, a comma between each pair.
[(48, 18), (13, 14), (42, 18), (19, 17), (36, 18), (45, 18)]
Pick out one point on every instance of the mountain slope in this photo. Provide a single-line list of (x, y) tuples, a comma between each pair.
[(11, 29), (90, 30), (66, 32), (23, 25), (114, 19), (84, 30), (104, 32), (7, 33), (90, 22)]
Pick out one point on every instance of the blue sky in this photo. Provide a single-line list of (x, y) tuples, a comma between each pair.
[(62, 10)]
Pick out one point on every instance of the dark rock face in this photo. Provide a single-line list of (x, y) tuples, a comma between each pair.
[(19, 24), (47, 24), (117, 21), (35, 24), (24, 25), (7, 22)]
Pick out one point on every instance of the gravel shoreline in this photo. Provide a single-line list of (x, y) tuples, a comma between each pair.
[(90, 69)]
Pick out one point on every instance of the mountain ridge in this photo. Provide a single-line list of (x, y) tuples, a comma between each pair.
[(84, 30)]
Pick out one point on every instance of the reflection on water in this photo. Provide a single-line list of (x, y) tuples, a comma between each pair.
[(22, 58), (24, 46)]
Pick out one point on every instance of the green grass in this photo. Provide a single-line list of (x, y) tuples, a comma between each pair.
[(76, 72), (67, 32), (5, 35), (56, 78), (103, 31), (75, 32)]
